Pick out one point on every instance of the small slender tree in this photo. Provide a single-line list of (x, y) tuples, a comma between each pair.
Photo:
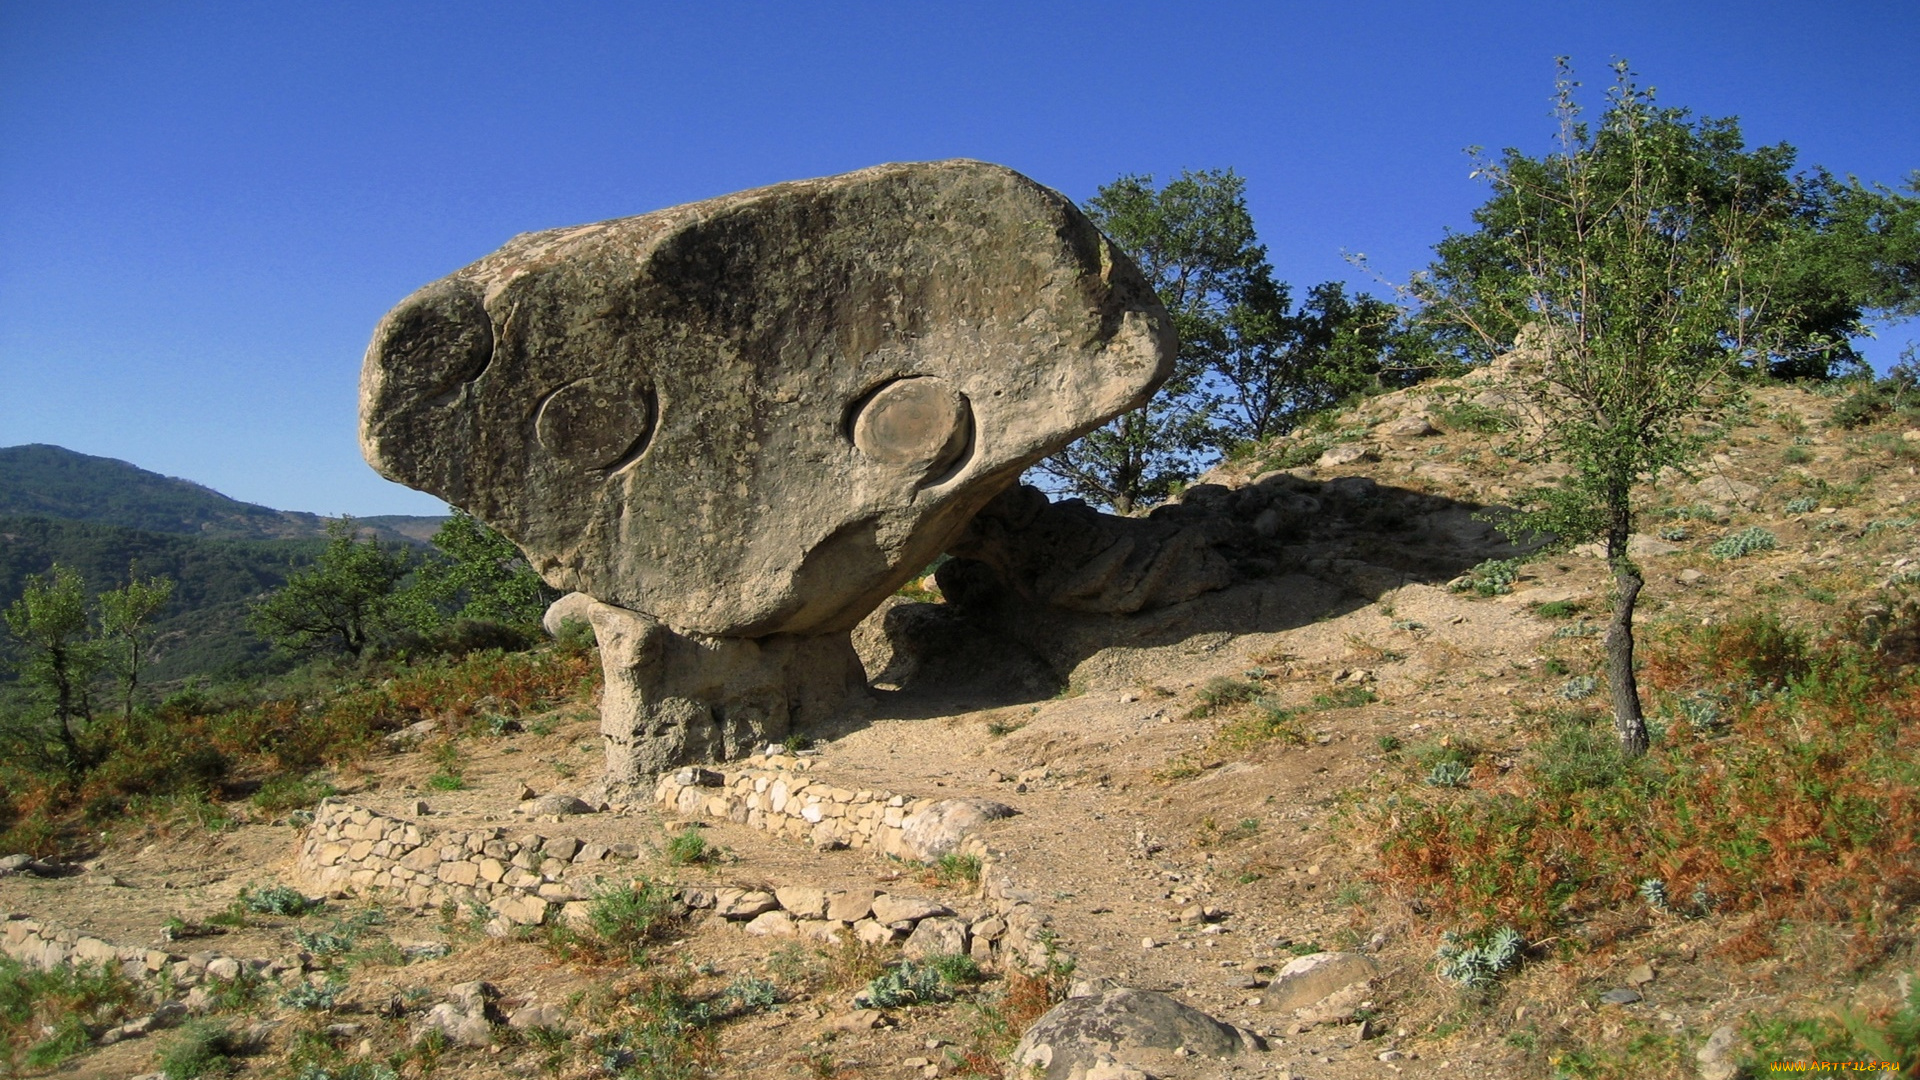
[(60, 659), (1633, 285), (126, 631)]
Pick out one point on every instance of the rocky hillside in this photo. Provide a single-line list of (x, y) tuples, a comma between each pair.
[(1349, 811), (53, 482)]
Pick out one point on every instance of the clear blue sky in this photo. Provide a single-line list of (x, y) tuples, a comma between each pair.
[(204, 207)]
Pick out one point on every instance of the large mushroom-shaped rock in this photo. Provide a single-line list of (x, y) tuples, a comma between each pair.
[(750, 419)]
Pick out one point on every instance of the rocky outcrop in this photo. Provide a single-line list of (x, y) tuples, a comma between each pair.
[(753, 418)]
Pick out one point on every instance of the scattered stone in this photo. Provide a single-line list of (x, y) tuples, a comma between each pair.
[(558, 805), (1690, 576), (853, 1023), (742, 904), (1346, 454), (1716, 1057), (419, 808), (851, 905), (891, 909), (937, 936), (224, 967), (803, 902), (1119, 1024), (1415, 426), (1620, 996), (1640, 975), (772, 924)]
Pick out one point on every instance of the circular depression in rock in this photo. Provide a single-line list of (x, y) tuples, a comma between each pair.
[(913, 421), (593, 423)]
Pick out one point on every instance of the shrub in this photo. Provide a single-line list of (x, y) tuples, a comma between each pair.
[(1468, 416), (1799, 805), (1480, 960), (688, 848), (628, 918), (955, 870), (202, 1048), (1557, 609), (1495, 577), (1577, 688), (44, 1014), (279, 794), (277, 900), (906, 983), (308, 997), (1745, 542), (1802, 505)]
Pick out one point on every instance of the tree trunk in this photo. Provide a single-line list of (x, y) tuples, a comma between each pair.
[(1629, 723)]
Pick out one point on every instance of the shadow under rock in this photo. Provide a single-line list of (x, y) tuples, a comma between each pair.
[(1041, 595)]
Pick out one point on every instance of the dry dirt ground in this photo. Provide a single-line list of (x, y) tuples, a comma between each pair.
[(1130, 812)]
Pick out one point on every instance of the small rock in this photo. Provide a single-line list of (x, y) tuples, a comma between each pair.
[(1641, 975), (1690, 576), (936, 936), (854, 1022), (772, 924), (1346, 454), (419, 808), (527, 792), (892, 909), (223, 967), (1620, 996), (694, 776), (1307, 980), (1416, 426), (557, 805), (743, 903), (1716, 1057)]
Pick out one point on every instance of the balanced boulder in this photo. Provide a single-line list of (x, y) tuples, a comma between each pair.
[(750, 419)]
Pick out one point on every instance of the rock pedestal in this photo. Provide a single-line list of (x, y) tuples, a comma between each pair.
[(672, 698), (747, 421)]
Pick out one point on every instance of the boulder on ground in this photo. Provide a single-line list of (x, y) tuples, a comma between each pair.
[(1123, 1027), (1307, 980), (940, 828)]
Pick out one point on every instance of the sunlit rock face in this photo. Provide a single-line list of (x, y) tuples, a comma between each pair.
[(752, 418)]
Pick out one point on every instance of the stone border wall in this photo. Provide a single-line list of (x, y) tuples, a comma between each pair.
[(45, 946), (771, 795), (520, 876)]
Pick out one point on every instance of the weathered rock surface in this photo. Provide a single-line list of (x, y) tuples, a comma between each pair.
[(1309, 980), (940, 828), (762, 413), (1123, 1027), (755, 417)]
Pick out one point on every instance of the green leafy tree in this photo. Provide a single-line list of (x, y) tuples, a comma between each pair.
[(1808, 240), (1276, 365), (60, 659), (1633, 271), (126, 631), (344, 602), (1194, 241), (478, 575)]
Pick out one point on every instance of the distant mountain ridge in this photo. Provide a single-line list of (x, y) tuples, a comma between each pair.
[(105, 518), (43, 480)]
